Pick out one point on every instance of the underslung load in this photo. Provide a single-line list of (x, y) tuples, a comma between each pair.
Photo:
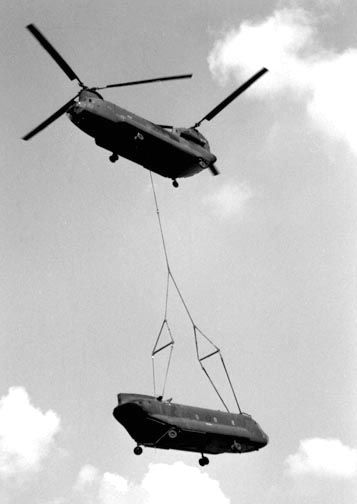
[(163, 424)]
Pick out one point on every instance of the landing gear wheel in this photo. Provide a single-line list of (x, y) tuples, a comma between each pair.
[(172, 434), (175, 183), (203, 461), (138, 450), (114, 157)]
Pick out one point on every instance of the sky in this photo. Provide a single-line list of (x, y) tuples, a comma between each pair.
[(265, 254)]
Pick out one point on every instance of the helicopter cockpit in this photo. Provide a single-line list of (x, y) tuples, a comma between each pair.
[(193, 135)]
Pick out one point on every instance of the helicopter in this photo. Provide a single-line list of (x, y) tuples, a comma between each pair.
[(166, 150), (155, 423)]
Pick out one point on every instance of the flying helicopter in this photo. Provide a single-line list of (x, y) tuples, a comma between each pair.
[(166, 150)]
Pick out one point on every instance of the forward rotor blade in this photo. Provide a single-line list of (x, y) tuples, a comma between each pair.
[(232, 96), (52, 52), (50, 119), (146, 81)]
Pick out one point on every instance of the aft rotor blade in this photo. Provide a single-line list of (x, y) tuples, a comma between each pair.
[(52, 52), (146, 81), (50, 119), (232, 96)]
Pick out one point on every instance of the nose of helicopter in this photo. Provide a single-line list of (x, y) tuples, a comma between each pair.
[(74, 110), (81, 114), (86, 109)]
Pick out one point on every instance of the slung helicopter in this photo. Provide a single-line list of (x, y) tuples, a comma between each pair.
[(162, 424), (169, 151)]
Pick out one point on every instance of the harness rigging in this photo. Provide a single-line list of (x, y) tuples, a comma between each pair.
[(197, 333)]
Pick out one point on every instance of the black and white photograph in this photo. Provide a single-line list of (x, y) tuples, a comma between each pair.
[(178, 252)]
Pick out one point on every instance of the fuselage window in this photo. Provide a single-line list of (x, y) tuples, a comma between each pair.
[(197, 416), (215, 419), (232, 421)]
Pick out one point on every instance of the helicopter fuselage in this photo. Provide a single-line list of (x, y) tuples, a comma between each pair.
[(162, 424), (172, 153)]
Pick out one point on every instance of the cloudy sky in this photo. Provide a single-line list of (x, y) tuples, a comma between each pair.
[(265, 254)]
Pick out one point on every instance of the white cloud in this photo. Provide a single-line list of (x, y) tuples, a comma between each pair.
[(112, 488), (287, 43), (106, 488), (229, 200), (26, 434), (323, 457), (182, 483), (87, 475)]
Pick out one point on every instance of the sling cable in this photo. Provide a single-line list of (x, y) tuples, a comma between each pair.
[(197, 333)]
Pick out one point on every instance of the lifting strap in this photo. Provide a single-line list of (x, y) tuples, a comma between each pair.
[(196, 331), (156, 350)]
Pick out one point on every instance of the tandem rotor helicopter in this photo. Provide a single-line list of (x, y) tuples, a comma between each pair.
[(169, 151)]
